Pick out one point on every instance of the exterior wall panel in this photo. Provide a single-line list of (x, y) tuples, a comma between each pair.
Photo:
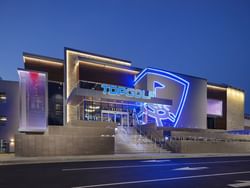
[(235, 109), (194, 113), (72, 78), (10, 109)]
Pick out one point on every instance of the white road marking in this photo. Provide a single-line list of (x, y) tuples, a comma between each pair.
[(192, 168), (241, 183), (155, 161), (153, 165), (162, 179)]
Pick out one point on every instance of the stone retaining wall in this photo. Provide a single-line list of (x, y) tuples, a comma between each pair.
[(67, 140)]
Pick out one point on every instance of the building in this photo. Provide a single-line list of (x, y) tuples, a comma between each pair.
[(9, 113), (73, 106), (247, 121)]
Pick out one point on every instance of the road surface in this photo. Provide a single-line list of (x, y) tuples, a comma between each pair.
[(177, 173)]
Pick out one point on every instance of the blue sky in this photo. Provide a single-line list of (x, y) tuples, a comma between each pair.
[(209, 39)]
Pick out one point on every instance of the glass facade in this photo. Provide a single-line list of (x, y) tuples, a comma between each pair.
[(33, 101), (111, 111), (55, 100), (117, 111)]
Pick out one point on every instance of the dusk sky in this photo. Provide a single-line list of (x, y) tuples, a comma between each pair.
[(208, 39)]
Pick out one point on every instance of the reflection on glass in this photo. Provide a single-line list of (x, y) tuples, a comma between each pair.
[(119, 113)]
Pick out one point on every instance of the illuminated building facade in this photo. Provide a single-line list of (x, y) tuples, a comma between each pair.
[(94, 91)]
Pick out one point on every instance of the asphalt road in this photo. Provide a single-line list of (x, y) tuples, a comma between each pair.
[(185, 173)]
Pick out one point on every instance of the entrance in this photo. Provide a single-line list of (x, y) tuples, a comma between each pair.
[(120, 118)]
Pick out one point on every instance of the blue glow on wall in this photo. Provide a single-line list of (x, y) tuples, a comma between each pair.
[(239, 132), (159, 112), (158, 85)]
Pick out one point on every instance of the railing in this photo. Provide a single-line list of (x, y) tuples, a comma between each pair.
[(87, 85), (90, 85), (207, 139), (157, 139), (166, 142)]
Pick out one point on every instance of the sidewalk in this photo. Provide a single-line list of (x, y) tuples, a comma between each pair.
[(10, 159)]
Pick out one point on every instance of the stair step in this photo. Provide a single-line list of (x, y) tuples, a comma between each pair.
[(128, 140)]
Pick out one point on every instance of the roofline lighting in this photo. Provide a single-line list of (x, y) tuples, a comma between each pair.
[(215, 87), (25, 58), (119, 62), (109, 67)]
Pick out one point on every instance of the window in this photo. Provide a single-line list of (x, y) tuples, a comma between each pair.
[(55, 100), (3, 120), (59, 107), (3, 97), (214, 107)]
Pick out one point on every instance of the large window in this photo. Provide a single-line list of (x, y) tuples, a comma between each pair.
[(55, 99), (95, 110), (214, 107)]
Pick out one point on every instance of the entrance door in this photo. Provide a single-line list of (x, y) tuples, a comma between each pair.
[(120, 118)]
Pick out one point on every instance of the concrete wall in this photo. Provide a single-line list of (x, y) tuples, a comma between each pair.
[(75, 139), (184, 140), (235, 109), (194, 113), (10, 109), (71, 79), (208, 141), (209, 147), (55, 145)]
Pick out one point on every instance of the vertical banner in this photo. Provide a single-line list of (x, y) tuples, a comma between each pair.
[(33, 89)]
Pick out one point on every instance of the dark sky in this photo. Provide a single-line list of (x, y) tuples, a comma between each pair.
[(209, 39)]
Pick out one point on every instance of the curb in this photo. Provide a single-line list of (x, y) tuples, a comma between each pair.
[(12, 160)]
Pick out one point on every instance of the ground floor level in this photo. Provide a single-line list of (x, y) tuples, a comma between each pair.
[(81, 137)]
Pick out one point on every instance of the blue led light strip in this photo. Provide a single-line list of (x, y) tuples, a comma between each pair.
[(170, 76)]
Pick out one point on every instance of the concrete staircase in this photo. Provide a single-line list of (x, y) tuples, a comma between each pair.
[(128, 140)]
